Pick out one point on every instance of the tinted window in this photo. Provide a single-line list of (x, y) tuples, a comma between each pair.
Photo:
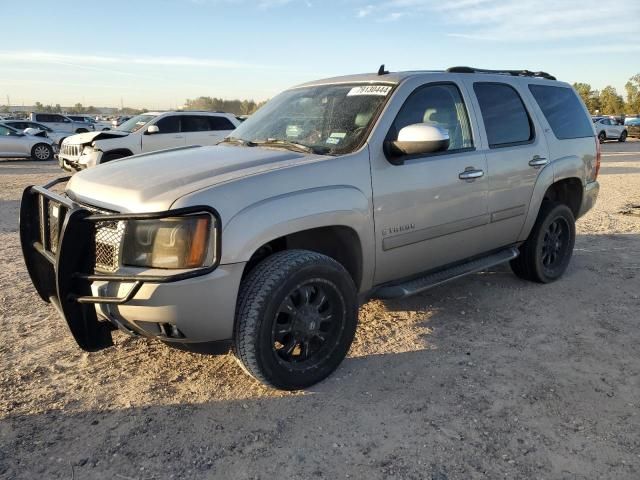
[(505, 118), (194, 123), (220, 123), (563, 111), (4, 131), (439, 105), (44, 117), (169, 124)]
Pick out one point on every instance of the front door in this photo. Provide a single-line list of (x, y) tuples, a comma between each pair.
[(429, 211), (169, 135)]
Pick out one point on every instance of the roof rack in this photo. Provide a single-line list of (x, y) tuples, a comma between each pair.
[(514, 73)]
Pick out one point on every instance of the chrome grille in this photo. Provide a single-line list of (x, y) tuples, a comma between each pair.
[(71, 150)]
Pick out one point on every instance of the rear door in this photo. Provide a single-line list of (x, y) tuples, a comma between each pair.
[(516, 151), (169, 136), (196, 130)]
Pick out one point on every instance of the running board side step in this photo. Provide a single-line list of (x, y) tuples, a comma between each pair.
[(431, 280)]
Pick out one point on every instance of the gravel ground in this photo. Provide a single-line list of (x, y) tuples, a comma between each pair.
[(487, 377)]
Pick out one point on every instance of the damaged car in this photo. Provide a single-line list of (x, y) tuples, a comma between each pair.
[(145, 133)]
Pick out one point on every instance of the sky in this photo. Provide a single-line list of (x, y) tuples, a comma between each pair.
[(157, 53)]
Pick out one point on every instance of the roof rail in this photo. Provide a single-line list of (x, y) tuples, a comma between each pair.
[(514, 73)]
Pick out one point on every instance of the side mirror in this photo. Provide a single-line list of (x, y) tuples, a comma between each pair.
[(152, 129), (417, 139)]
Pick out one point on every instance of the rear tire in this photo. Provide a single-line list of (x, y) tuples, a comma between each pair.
[(82, 130), (623, 136), (41, 152), (296, 317), (546, 254)]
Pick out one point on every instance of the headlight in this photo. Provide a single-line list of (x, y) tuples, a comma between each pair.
[(174, 242)]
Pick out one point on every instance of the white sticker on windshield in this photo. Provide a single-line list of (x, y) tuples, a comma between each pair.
[(382, 90)]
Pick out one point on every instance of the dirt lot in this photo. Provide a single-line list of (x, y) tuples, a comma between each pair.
[(488, 377)]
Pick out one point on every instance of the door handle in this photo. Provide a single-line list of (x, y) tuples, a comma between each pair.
[(470, 174), (538, 161), (178, 136)]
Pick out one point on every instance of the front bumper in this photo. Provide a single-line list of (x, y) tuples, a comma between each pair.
[(58, 243), (78, 163)]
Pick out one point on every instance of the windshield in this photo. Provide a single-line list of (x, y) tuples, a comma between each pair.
[(328, 119), (136, 123)]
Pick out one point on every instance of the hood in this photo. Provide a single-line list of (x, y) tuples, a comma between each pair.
[(154, 181), (82, 138)]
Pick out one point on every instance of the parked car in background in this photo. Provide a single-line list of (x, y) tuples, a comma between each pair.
[(17, 144), (608, 129), (57, 137), (60, 123), (336, 191), (145, 133), (116, 122), (633, 126), (83, 119)]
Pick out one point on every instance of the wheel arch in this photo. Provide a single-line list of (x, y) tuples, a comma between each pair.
[(125, 152), (335, 221), (563, 180)]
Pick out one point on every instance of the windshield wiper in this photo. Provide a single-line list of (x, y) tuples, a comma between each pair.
[(239, 141), (289, 145)]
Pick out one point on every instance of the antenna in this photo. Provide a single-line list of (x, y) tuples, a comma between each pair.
[(382, 71)]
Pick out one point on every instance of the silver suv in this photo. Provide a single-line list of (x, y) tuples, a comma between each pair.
[(337, 191)]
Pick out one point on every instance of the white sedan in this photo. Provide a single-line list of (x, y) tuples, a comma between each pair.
[(16, 144)]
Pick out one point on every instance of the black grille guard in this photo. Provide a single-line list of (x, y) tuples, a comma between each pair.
[(62, 274)]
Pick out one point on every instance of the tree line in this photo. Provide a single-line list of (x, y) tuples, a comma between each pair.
[(608, 102), (605, 102), (237, 107)]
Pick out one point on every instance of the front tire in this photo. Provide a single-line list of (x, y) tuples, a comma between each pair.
[(545, 255), (296, 317), (41, 152), (602, 137), (623, 136)]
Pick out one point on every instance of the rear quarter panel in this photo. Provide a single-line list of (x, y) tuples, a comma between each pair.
[(569, 158)]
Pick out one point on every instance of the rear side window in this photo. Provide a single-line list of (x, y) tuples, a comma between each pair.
[(193, 123), (505, 118), (44, 117), (563, 111), (220, 123)]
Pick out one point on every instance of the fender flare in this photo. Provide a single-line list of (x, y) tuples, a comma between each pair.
[(275, 217), (563, 168)]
